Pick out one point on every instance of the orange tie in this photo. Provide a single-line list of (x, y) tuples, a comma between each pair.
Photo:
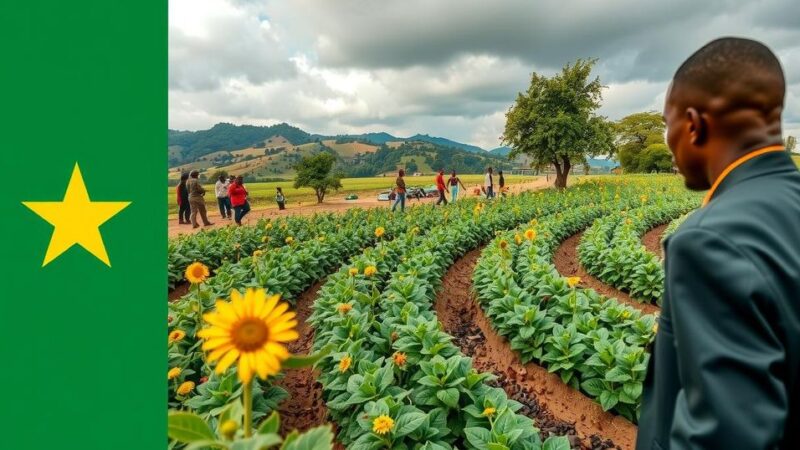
[(737, 163)]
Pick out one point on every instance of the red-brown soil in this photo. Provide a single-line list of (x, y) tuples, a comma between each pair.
[(568, 265), (652, 240), (304, 409), (180, 290), (556, 408)]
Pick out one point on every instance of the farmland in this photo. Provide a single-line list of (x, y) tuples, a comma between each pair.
[(446, 327), (262, 195)]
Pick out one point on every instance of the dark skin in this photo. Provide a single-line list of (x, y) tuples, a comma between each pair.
[(709, 129)]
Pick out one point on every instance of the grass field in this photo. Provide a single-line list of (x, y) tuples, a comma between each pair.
[(263, 194)]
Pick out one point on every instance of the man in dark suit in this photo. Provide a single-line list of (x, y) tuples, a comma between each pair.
[(724, 367)]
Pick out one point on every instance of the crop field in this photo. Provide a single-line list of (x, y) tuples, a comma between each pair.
[(263, 194), (440, 328)]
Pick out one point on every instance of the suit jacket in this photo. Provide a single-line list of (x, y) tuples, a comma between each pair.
[(196, 190), (725, 364)]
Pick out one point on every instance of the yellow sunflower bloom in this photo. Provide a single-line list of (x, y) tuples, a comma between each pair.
[(345, 363), (228, 428), (626, 314), (503, 244), (185, 388), (353, 271), (258, 253), (344, 308), (176, 335), (517, 239), (399, 359), (289, 239), (251, 329), (530, 234), (268, 226), (382, 424), (173, 373), (573, 281), (196, 273), (379, 231), (265, 239), (370, 271), (489, 412)]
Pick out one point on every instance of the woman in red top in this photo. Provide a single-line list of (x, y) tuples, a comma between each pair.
[(238, 195), (441, 187)]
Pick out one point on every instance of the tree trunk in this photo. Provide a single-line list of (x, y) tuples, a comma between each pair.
[(562, 171), (320, 195)]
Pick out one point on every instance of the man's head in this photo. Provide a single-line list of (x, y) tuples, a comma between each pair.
[(441, 171), (488, 170), (724, 101), (239, 179), (184, 176), (222, 178), (194, 174)]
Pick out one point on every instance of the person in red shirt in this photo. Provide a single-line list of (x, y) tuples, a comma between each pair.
[(238, 195), (441, 187)]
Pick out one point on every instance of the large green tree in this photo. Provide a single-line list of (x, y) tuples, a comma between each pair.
[(639, 143), (555, 121), (317, 173)]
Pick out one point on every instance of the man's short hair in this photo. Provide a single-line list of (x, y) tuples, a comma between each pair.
[(722, 61)]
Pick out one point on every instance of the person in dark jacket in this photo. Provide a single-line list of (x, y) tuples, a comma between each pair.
[(196, 200), (725, 365), (400, 191), (183, 200), (280, 199)]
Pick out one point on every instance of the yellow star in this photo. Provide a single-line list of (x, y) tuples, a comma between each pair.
[(76, 220)]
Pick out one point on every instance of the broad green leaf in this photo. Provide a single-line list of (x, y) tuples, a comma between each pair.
[(319, 438), (300, 361), (449, 397), (257, 442), (407, 423), (188, 427), (556, 443), (271, 424)]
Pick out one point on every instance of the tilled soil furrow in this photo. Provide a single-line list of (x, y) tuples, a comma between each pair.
[(556, 408), (652, 240)]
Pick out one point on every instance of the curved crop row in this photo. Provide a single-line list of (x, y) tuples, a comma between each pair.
[(594, 343), (611, 249), (391, 356), (214, 247), (286, 271)]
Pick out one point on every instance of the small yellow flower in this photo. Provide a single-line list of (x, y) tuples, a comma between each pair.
[(573, 281), (370, 271), (626, 314), (394, 336), (399, 359), (289, 239), (517, 239), (533, 222), (344, 308), (321, 238), (530, 234), (628, 221), (173, 373), (382, 424), (265, 239), (196, 273), (643, 198), (353, 271), (345, 363), (258, 253), (269, 225), (488, 412), (228, 428), (503, 244), (176, 335), (415, 230), (185, 388), (379, 231)]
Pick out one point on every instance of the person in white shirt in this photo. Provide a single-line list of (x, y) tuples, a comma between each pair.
[(488, 183), (224, 202)]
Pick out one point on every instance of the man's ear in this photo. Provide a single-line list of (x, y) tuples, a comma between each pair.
[(698, 127)]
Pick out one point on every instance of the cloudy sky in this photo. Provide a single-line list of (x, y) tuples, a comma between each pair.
[(446, 68)]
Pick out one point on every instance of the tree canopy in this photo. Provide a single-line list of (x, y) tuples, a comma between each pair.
[(639, 143), (554, 121), (317, 173)]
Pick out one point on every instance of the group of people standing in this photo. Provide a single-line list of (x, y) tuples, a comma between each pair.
[(232, 199), (451, 186)]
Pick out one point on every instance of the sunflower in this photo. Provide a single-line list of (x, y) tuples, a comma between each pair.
[(252, 330), (379, 232), (573, 281), (488, 412), (176, 335), (185, 388), (228, 428), (265, 239), (518, 239), (626, 314), (289, 240), (268, 226), (503, 244), (399, 359), (530, 234), (345, 363), (382, 424), (353, 271), (173, 373), (196, 273), (370, 271), (258, 253), (344, 308)]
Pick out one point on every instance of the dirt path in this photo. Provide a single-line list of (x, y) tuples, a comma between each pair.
[(652, 240), (568, 265), (556, 408), (332, 204), (304, 409)]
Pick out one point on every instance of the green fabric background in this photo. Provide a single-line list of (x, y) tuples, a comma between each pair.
[(82, 346)]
